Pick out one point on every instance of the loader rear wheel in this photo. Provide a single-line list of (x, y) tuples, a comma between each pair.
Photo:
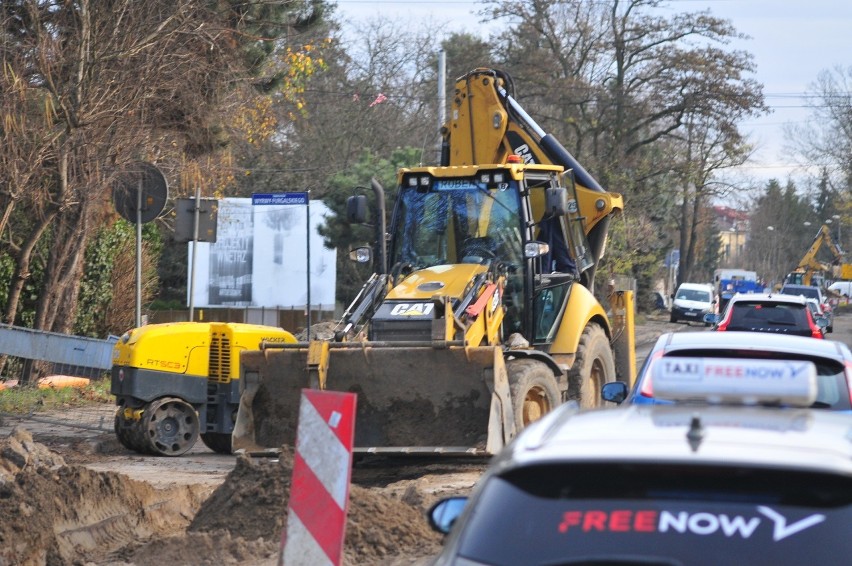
[(217, 442), (593, 366), (170, 426), (534, 391)]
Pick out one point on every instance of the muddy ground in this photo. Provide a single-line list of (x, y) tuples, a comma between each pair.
[(71, 495), (67, 502)]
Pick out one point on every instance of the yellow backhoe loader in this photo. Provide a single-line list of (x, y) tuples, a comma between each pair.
[(481, 315), (810, 265)]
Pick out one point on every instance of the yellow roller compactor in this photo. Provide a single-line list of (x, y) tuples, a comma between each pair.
[(177, 381), (481, 315)]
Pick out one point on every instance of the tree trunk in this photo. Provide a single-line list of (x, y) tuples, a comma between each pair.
[(693, 232), (22, 267), (57, 304)]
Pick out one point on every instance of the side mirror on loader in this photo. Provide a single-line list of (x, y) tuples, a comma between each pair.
[(556, 201), (356, 209)]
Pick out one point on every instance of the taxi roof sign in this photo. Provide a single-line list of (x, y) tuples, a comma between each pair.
[(733, 380)]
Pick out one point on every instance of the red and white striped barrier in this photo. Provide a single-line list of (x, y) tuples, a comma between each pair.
[(319, 492)]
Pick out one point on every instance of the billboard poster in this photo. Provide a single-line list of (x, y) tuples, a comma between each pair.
[(260, 257), (229, 278)]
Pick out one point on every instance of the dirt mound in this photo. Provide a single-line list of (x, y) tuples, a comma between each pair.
[(252, 503), (319, 331), (217, 548), (58, 514)]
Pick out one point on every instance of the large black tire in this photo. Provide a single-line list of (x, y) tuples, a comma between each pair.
[(593, 366), (534, 391), (170, 426), (217, 442)]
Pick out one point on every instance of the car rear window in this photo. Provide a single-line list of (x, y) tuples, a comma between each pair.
[(660, 514), (810, 292), (783, 318), (832, 388)]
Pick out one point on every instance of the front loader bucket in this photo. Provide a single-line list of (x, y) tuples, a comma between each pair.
[(410, 399)]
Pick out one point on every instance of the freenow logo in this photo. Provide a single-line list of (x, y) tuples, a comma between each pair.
[(652, 521)]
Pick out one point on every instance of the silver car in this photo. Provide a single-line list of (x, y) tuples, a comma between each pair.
[(714, 478)]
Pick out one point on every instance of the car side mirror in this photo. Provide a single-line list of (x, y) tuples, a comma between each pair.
[(443, 514), (614, 392), (712, 318)]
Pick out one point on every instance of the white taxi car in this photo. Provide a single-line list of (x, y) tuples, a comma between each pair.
[(715, 477)]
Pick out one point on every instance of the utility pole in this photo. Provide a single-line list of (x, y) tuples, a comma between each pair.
[(442, 95)]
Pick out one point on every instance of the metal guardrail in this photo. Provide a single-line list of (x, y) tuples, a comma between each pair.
[(67, 354), (58, 348)]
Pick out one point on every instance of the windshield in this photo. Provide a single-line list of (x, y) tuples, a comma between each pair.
[(458, 221), (693, 295)]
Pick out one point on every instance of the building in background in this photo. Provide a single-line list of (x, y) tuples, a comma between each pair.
[(733, 232)]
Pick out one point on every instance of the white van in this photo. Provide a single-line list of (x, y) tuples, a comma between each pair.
[(842, 287), (692, 301)]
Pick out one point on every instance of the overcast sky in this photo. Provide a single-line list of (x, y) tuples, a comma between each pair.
[(791, 40)]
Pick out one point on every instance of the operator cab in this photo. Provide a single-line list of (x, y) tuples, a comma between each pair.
[(487, 218)]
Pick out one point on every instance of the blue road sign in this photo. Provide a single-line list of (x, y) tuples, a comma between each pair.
[(279, 198)]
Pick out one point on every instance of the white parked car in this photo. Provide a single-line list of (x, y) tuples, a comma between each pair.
[(692, 301)]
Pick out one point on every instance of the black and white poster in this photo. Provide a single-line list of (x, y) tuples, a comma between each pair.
[(260, 258)]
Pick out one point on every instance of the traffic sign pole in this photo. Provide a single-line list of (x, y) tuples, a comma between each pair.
[(139, 253)]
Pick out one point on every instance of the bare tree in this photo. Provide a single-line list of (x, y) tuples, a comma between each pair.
[(90, 86), (647, 99), (823, 144)]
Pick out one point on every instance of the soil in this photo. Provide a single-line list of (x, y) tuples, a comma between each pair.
[(72, 495), (70, 502)]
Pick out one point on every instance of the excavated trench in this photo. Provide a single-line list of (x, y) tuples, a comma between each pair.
[(56, 513)]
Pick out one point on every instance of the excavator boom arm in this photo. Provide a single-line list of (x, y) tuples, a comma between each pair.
[(488, 125)]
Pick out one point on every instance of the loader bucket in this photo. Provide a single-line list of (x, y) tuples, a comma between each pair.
[(409, 399)]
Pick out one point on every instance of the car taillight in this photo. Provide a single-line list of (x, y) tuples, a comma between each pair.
[(816, 331), (647, 387), (723, 324)]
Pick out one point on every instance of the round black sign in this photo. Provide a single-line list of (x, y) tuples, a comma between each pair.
[(144, 177)]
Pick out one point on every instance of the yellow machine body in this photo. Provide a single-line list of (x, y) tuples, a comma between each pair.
[(470, 329), (174, 382)]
